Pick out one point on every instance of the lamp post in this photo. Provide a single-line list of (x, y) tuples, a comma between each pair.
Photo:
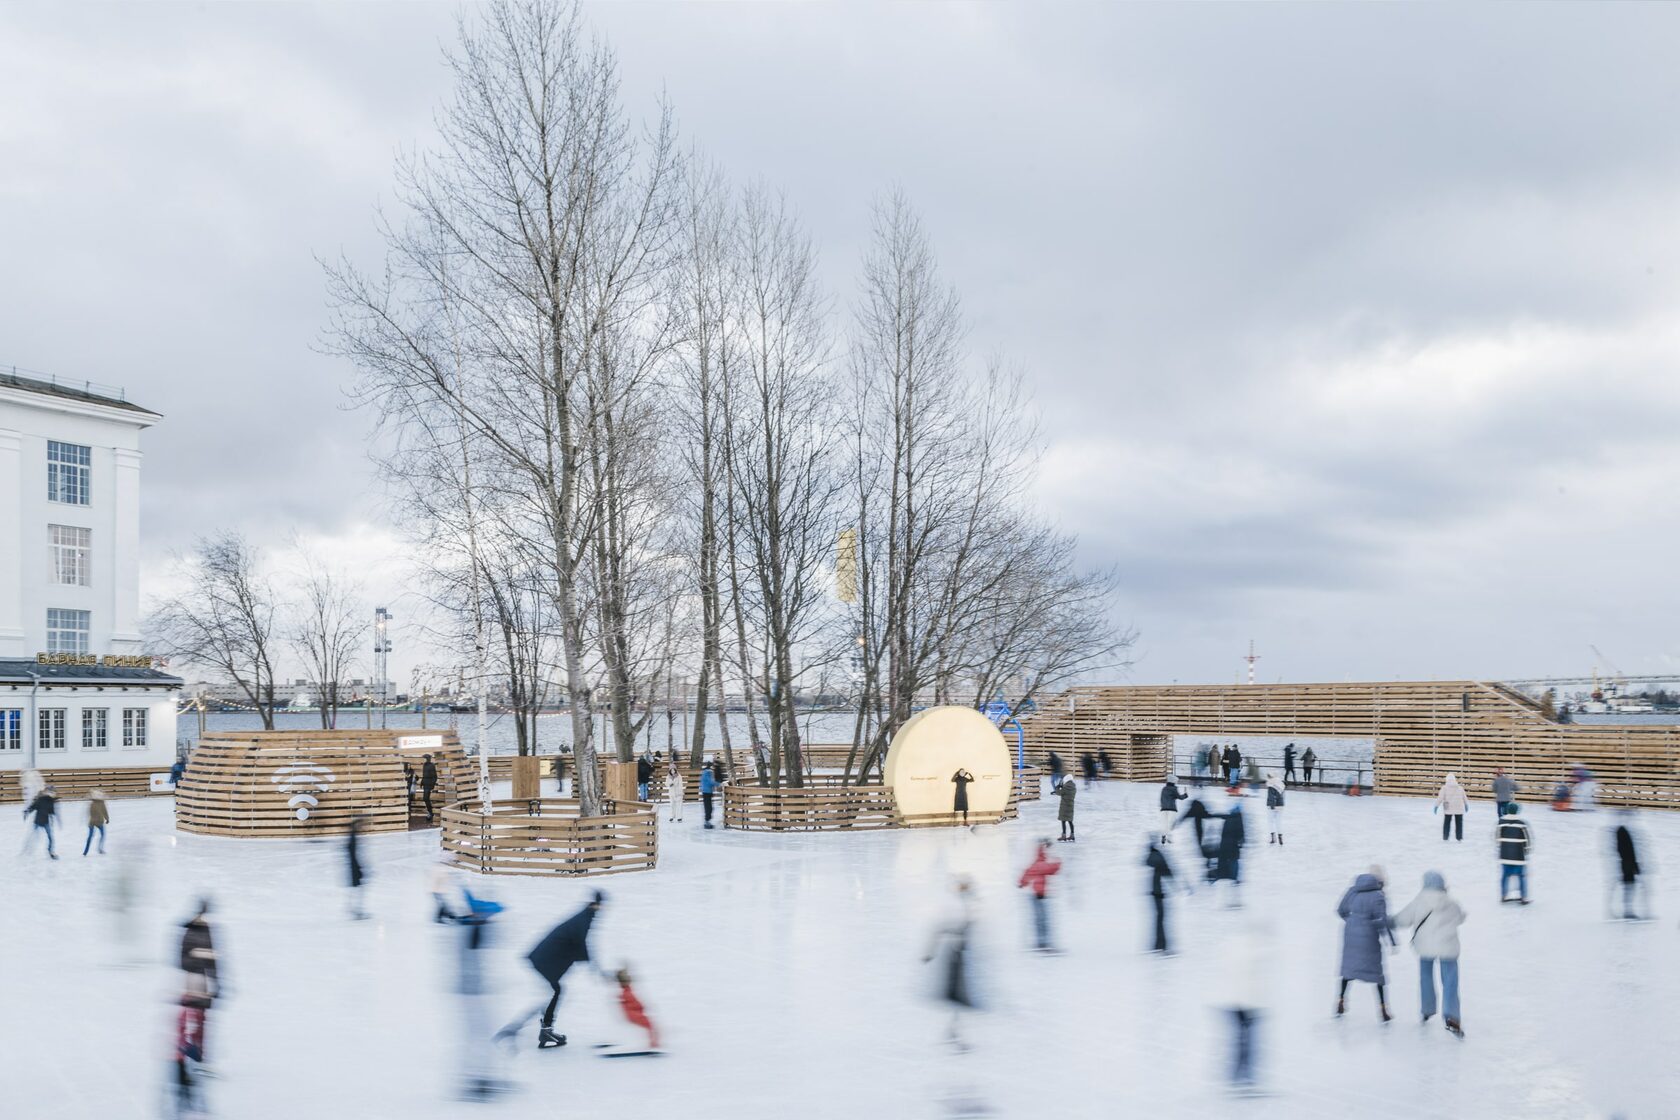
[(381, 656)]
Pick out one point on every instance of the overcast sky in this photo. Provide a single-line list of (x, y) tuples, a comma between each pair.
[(1352, 329)]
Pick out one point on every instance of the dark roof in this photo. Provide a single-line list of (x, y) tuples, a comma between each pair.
[(90, 392), (24, 670)]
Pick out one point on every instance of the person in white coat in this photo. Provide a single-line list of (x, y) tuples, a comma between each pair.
[(1436, 916), (1451, 803), (674, 787)]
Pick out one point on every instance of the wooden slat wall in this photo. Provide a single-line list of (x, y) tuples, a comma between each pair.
[(228, 789), (555, 841), (76, 783), (752, 807), (1421, 730)]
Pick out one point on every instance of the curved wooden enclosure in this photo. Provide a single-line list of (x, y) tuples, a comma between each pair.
[(553, 839), (1421, 731), (309, 783), (832, 808)]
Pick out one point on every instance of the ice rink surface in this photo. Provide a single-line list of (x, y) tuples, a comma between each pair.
[(785, 973)]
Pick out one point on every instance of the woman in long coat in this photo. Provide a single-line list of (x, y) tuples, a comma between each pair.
[(951, 948), (1364, 913), (1067, 791)]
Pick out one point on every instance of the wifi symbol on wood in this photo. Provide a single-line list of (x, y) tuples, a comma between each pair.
[(303, 781)]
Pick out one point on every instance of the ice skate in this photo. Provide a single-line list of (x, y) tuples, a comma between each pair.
[(1382, 1011), (547, 1038), (1456, 1028), (1341, 1008)]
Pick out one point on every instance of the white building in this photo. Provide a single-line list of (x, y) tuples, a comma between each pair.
[(76, 687)]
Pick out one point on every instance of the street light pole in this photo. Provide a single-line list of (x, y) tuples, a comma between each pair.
[(381, 657)]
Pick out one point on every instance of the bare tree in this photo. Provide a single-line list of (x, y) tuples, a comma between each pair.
[(325, 630), (535, 235), (224, 619)]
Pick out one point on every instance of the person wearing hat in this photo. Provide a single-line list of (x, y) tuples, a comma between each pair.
[(1364, 914), (1436, 916), (567, 944), (98, 817), (1514, 843)]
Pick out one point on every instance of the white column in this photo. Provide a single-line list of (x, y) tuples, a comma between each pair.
[(125, 551), (11, 545)]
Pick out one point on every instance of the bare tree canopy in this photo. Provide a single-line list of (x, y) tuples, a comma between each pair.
[(224, 618)]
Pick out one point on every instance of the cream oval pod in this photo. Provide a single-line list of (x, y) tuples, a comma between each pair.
[(929, 751)]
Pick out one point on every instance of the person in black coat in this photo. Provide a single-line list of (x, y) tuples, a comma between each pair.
[(566, 944), (1170, 797), (1055, 761), (1627, 863), (644, 775), (1159, 872), (428, 782), (1233, 764), (352, 853), (959, 803), (1198, 813), (1228, 864), (43, 808), (1088, 764), (1288, 764)]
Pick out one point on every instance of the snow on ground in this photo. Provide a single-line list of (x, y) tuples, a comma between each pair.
[(785, 972)]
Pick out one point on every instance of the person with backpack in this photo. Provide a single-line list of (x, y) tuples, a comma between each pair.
[(1274, 809), (1064, 812), (1036, 881), (1170, 797), (1364, 914), (1451, 802), (1515, 842), (1434, 917)]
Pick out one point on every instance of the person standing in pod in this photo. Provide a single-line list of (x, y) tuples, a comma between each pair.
[(1364, 914), (1066, 792), (959, 803), (428, 782), (1451, 802), (674, 788), (644, 775)]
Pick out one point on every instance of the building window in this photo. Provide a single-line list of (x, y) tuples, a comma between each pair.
[(11, 729), (93, 728), (134, 728), (68, 468), (67, 630), (70, 555), (50, 728)]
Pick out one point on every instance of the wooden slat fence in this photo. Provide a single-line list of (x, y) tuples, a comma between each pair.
[(553, 840)]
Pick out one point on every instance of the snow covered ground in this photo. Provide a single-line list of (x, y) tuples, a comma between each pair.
[(785, 973)]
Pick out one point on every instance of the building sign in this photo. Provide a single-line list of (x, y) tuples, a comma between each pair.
[(89, 660), (420, 742)]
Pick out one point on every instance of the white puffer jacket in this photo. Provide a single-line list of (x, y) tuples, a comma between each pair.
[(1437, 918), (1452, 799)]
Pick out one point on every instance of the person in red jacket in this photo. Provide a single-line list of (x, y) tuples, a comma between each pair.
[(633, 1009), (1036, 879)]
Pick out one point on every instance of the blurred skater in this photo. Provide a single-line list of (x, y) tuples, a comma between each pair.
[(674, 788), (352, 856), (1252, 777), (1247, 962), (959, 801), (1055, 761), (445, 890), (1515, 841), (1451, 802), (1159, 872), (1274, 808), (1627, 862), (1036, 880), (708, 790), (1170, 797), (477, 932), (428, 782), (97, 818), (41, 812), (200, 985), (1288, 763), (409, 780), (1505, 790), (567, 944), (633, 1010), (951, 949), (1067, 791), (1437, 916), (1364, 913), (128, 888), (1105, 763), (1088, 763), (1308, 761), (1227, 865), (1198, 815)]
